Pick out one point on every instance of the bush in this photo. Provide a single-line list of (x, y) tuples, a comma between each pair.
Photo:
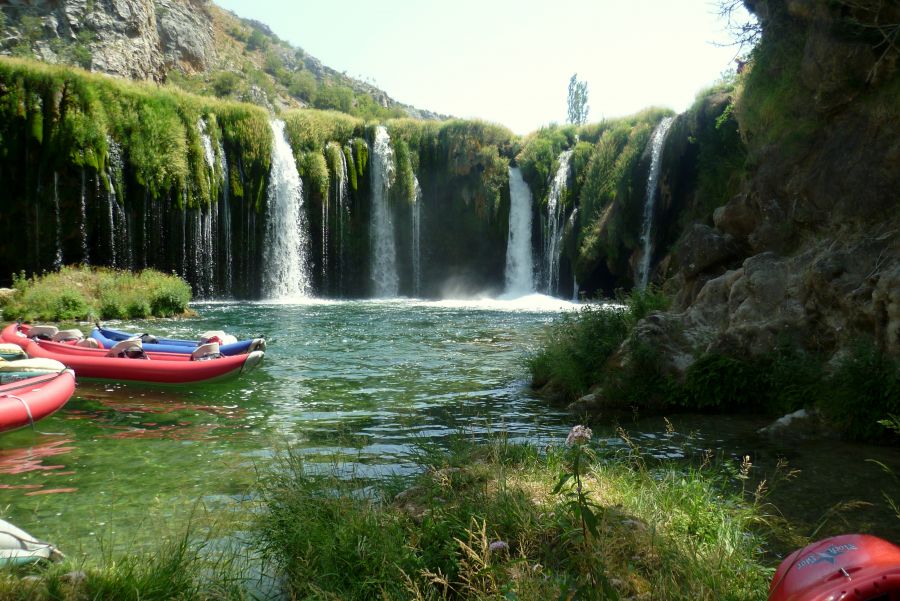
[(81, 293), (864, 388)]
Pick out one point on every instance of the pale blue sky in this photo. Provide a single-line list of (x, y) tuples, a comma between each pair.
[(510, 61)]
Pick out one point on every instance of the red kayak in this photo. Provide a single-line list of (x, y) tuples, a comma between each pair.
[(851, 567), (137, 366), (24, 402)]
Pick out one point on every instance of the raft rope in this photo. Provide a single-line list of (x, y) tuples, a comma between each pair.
[(28, 409)]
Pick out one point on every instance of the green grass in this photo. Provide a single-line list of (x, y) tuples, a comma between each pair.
[(83, 293), (665, 532)]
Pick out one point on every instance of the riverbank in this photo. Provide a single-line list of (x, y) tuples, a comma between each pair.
[(84, 293), (602, 361)]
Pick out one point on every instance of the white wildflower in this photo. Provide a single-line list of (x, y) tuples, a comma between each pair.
[(579, 435)]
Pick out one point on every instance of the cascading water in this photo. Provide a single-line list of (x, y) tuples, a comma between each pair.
[(416, 238), (384, 256), (225, 211), (287, 266), (82, 226), (57, 257), (657, 141), (342, 209), (554, 226), (206, 222), (119, 246), (573, 224), (519, 261)]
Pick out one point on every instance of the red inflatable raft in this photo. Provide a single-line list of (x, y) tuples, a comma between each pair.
[(851, 567), (156, 368), (24, 402)]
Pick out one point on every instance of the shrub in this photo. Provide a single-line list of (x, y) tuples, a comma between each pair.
[(864, 388)]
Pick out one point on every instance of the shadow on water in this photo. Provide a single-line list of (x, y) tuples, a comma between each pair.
[(814, 487)]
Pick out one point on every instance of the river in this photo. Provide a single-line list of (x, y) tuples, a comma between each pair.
[(361, 384)]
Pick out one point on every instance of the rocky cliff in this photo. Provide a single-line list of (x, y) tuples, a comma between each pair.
[(808, 252), (192, 43)]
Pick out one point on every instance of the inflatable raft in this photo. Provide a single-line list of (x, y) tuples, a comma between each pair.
[(851, 567), (127, 361), (17, 547), (228, 345), (26, 401)]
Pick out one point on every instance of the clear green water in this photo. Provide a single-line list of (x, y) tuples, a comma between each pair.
[(367, 382)]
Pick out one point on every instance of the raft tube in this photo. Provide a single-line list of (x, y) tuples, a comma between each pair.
[(156, 368), (108, 338), (26, 401), (850, 567)]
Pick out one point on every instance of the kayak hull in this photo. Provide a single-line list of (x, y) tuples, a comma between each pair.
[(26, 401), (850, 567)]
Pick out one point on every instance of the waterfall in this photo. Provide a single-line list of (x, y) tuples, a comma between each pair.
[(341, 208), (656, 146), (325, 231), (286, 263), (384, 258), (206, 143), (85, 253), (416, 241), (519, 262), (58, 257), (225, 211), (554, 230), (119, 245)]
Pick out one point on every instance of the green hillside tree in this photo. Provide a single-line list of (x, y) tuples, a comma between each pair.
[(578, 98)]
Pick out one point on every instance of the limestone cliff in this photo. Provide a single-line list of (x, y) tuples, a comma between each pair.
[(192, 43), (808, 252)]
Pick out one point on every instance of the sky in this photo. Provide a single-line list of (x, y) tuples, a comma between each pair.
[(510, 61)]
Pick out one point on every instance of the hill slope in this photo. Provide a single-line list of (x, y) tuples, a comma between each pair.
[(191, 43)]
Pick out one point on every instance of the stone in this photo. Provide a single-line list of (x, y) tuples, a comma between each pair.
[(702, 248)]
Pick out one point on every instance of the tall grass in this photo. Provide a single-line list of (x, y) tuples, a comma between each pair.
[(82, 293), (482, 522)]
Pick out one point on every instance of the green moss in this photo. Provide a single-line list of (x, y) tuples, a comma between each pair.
[(314, 170)]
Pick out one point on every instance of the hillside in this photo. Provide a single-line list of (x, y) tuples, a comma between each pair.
[(193, 44)]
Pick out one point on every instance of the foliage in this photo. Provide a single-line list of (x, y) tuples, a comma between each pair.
[(482, 522), (83, 293), (575, 349), (157, 127), (577, 105), (864, 388)]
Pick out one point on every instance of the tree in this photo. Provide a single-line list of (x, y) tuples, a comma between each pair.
[(578, 97)]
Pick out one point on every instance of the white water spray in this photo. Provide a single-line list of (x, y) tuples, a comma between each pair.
[(519, 260), (656, 146), (384, 255), (225, 211), (287, 266), (554, 230)]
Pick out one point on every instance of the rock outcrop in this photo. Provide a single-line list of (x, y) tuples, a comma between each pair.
[(809, 252), (137, 39)]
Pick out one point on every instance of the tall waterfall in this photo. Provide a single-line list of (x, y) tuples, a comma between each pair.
[(225, 211), (205, 235), (286, 262), (342, 207), (656, 147), (519, 262), (416, 238), (554, 230), (384, 254)]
